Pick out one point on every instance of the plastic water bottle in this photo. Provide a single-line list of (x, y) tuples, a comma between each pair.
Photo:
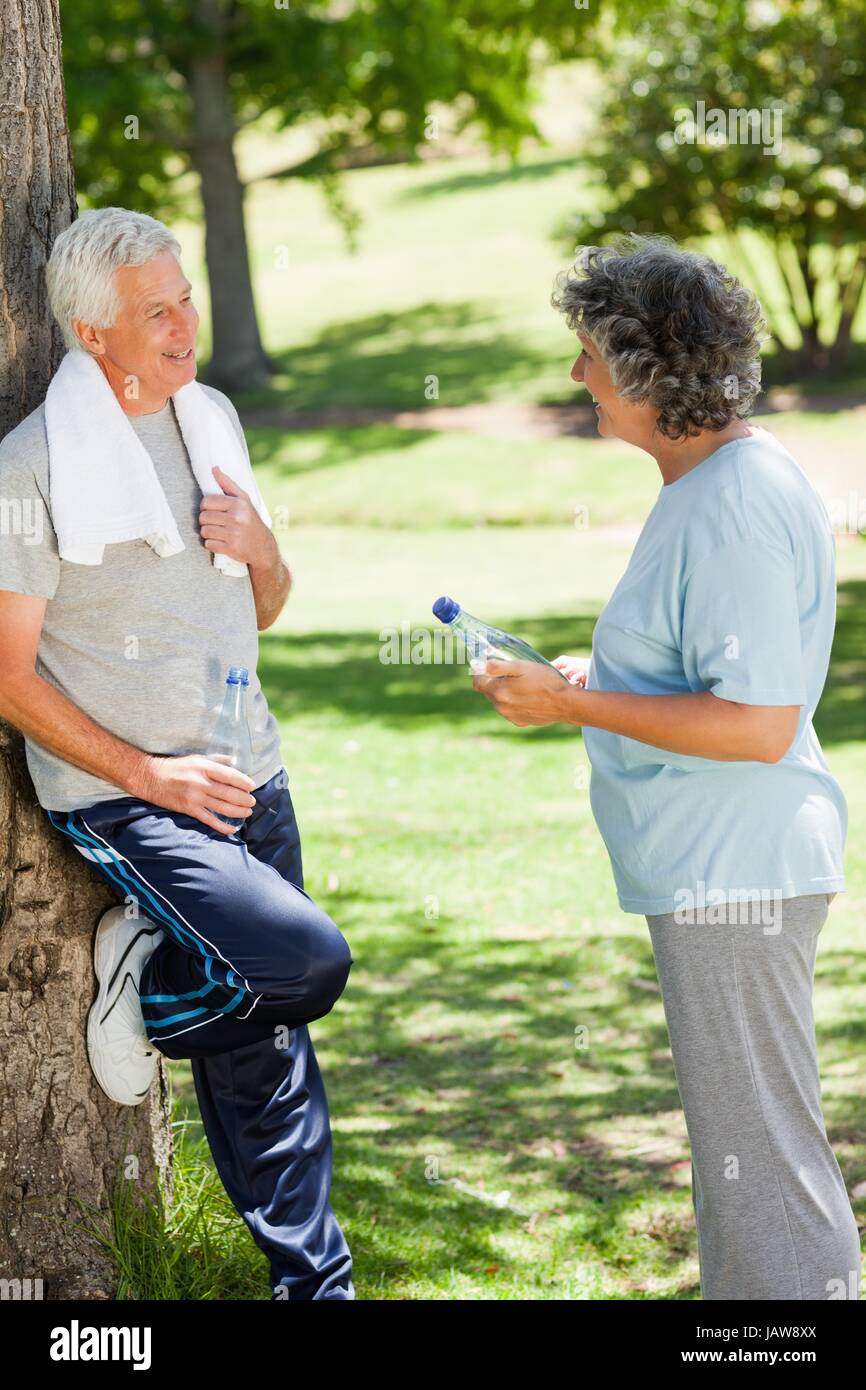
[(230, 741), (483, 641)]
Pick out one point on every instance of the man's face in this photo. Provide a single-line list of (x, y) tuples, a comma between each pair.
[(153, 339)]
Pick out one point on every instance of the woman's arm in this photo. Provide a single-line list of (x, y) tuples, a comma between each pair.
[(699, 724)]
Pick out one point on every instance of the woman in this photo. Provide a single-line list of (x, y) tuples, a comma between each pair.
[(723, 823)]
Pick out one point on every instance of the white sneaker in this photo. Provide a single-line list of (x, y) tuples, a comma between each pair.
[(122, 1058)]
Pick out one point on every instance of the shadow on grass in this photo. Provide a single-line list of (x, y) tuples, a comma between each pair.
[(386, 360), (342, 672), (471, 182), (503, 1092), (494, 1085), (494, 1079), (328, 446), (455, 1043)]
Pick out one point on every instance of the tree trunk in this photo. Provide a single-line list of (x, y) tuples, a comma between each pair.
[(63, 1144), (238, 359), (850, 294)]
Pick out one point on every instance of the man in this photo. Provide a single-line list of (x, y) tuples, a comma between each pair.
[(114, 671)]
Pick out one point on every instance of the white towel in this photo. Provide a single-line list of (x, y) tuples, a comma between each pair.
[(102, 482)]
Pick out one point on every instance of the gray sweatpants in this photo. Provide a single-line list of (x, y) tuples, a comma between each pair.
[(773, 1217)]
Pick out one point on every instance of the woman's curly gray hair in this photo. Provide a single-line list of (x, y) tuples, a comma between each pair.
[(675, 329)]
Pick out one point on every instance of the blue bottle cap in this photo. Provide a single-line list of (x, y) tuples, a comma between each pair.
[(446, 609)]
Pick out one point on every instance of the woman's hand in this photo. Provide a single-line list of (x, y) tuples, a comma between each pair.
[(574, 668), (523, 692)]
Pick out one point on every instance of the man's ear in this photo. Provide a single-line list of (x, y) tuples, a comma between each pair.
[(89, 337)]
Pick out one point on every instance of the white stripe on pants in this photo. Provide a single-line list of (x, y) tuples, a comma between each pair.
[(773, 1216)]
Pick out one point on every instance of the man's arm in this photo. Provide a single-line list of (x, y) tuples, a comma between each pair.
[(271, 580), (194, 785)]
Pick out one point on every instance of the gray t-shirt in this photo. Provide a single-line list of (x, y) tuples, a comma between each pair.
[(141, 643)]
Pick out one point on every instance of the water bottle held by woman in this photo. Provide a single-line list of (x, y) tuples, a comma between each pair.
[(483, 641)]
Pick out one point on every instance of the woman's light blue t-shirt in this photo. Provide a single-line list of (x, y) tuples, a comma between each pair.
[(731, 588)]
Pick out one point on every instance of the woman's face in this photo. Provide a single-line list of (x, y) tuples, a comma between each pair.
[(617, 418)]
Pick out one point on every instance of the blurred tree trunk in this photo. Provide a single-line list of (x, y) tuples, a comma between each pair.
[(238, 360), (62, 1141), (850, 295)]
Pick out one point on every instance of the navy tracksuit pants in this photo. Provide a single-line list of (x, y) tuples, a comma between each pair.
[(248, 960)]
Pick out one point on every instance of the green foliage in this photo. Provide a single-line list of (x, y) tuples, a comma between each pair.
[(118, 65), (802, 61), (372, 69)]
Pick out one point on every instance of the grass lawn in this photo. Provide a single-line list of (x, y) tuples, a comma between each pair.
[(479, 1153), (381, 475), (460, 858), (451, 278)]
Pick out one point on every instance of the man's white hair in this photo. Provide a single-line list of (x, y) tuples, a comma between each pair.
[(80, 269)]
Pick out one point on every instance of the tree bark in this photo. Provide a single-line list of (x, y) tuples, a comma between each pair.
[(238, 359), (63, 1144)]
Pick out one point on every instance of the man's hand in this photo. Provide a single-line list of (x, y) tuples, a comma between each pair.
[(230, 524), (197, 786), (523, 692), (574, 668)]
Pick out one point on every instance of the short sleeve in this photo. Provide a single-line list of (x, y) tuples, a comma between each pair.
[(29, 558), (741, 626)]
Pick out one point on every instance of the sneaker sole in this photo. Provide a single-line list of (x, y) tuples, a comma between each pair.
[(103, 961)]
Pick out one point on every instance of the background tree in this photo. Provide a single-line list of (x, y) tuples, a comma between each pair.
[(808, 203), (62, 1142), (159, 90)]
